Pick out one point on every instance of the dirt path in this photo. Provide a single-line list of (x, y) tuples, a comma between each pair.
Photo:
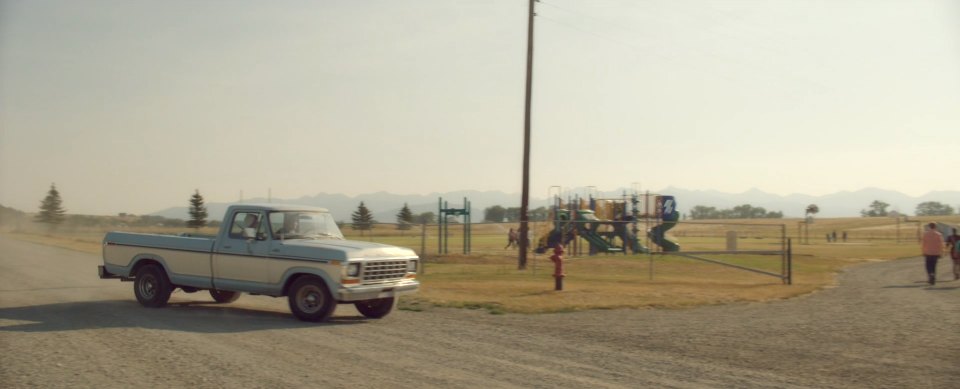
[(60, 326)]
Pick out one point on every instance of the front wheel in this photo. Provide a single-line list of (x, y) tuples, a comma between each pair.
[(152, 287), (375, 309), (310, 299), (224, 296)]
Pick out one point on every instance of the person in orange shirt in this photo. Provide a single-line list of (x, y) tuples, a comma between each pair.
[(932, 247)]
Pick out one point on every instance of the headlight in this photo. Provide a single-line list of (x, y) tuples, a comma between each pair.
[(412, 266), (353, 270)]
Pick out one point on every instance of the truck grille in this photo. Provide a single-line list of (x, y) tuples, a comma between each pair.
[(376, 272)]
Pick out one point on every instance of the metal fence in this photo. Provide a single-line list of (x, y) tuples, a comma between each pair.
[(726, 244), (731, 244)]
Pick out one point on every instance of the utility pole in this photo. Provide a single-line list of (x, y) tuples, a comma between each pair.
[(525, 196)]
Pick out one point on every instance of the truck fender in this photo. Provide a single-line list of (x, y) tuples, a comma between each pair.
[(292, 273), (142, 259)]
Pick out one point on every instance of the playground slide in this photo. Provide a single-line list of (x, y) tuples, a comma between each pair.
[(591, 235), (586, 228), (667, 206), (657, 236), (637, 247), (597, 241), (550, 239)]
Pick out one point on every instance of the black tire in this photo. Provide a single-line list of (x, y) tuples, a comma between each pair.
[(152, 287), (310, 300), (224, 296), (376, 309)]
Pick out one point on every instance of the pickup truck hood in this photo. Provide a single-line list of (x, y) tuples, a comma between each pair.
[(341, 250)]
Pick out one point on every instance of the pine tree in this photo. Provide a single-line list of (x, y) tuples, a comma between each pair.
[(404, 218), (51, 210), (198, 211), (362, 218)]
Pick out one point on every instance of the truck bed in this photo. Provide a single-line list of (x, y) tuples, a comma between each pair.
[(186, 258)]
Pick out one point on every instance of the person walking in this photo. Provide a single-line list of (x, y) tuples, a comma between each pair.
[(953, 243), (932, 247), (511, 239)]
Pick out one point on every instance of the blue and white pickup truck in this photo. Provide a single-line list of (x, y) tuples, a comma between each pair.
[(268, 249)]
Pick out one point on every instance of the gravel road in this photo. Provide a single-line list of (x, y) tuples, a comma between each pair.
[(881, 327)]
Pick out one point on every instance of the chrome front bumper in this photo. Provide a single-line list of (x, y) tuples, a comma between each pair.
[(370, 292)]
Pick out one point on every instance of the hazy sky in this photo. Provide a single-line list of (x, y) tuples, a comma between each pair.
[(128, 106)]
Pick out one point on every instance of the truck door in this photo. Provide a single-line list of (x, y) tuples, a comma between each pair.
[(240, 262)]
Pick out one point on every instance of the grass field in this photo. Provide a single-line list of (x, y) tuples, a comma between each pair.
[(488, 278)]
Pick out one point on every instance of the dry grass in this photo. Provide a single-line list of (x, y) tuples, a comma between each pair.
[(608, 282), (489, 279), (88, 240)]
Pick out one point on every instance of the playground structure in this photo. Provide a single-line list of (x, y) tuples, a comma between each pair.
[(444, 211), (611, 225)]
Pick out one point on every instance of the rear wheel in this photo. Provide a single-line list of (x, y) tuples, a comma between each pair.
[(377, 308), (310, 299), (152, 287), (224, 296)]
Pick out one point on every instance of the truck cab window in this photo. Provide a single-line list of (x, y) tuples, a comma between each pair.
[(243, 220), (303, 225), (284, 224)]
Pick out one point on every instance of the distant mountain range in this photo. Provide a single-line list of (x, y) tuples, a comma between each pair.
[(385, 206)]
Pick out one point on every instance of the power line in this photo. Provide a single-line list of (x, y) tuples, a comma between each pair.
[(606, 38), (604, 22)]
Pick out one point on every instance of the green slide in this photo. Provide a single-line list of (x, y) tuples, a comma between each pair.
[(668, 211), (658, 238), (634, 242), (586, 228)]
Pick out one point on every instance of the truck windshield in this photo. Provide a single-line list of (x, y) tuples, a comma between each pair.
[(303, 225)]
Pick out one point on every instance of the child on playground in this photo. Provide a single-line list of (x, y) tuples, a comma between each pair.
[(953, 244), (511, 239)]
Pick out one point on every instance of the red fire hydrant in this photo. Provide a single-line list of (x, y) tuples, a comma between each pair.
[(557, 259)]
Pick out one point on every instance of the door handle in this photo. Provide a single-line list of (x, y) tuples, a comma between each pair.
[(227, 247)]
